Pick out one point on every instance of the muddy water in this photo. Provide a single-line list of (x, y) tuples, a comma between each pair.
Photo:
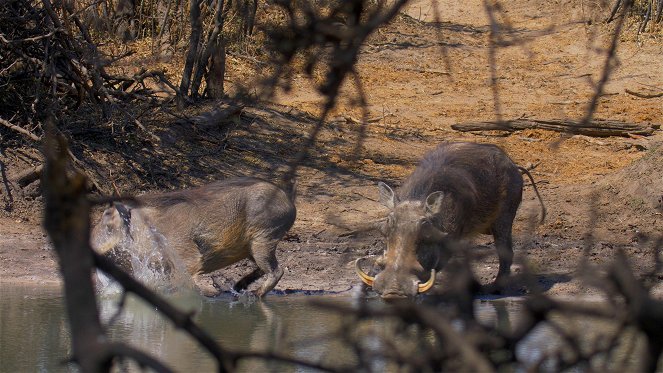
[(34, 334)]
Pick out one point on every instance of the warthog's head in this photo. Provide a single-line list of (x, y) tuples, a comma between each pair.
[(112, 234), (126, 236), (412, 246)]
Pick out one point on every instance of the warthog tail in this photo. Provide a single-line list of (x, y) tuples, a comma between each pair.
[(536, 190)]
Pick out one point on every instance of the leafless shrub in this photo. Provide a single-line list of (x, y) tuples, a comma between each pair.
[(50, 62), (645, 10)]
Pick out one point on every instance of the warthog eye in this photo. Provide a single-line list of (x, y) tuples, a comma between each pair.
[(387, 225), (390, 221)]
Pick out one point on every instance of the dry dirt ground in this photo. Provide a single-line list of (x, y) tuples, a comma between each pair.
[(420, 75)]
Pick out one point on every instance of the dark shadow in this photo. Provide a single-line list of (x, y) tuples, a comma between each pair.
[(257, 141), (517, 286)]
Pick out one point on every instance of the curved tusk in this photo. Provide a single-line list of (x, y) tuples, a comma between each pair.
[(429, 284), (368, 280)]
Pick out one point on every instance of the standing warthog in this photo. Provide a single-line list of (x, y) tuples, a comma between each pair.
[(458, 190), (207, 228)]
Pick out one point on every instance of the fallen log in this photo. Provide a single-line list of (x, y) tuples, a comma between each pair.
[(596, 128), (29, 175), (644, 95), (215, 117)]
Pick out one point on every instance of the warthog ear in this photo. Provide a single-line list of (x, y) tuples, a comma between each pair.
[(387, 196), (434, 203)]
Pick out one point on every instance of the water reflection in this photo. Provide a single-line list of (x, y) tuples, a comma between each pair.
[(34, 334), (284, 324)]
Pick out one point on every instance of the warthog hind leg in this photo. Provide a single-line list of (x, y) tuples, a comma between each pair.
[(247, 280), (504, 246), (263, 253)]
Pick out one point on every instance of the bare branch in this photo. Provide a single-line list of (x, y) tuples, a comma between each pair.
[(180, 319), (67, 221), (20, 130), (608, 65), (144, 360)]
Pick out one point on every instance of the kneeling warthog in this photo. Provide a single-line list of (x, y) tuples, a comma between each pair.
[(458, 190), (207, 228)]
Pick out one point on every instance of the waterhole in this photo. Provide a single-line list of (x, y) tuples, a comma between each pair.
[(35, 337)]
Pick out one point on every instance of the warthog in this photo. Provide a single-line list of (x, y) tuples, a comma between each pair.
[(207, 228), (458, 190)]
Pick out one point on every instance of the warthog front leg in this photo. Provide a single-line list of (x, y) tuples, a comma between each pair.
[(264, 254)]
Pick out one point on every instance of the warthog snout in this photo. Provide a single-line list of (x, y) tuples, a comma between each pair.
[(393, 285)]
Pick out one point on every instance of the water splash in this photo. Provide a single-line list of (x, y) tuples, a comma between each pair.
[(243, 297), (140, 249)]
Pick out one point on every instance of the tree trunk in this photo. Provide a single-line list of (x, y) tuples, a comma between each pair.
[(217, 70), (125, 13), (194, 41), (208, 59), (252, 18)]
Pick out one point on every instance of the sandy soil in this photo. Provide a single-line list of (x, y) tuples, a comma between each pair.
[(421, 75)]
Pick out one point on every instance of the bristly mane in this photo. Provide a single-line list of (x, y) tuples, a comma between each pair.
[(197, 194)]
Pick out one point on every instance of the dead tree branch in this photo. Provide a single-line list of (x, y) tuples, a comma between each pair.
[(28, 176), (644, 95), (609, 64), (596, 128), (67, 222), (644, 312), (326, 45), (181, 320), (20, 130)]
